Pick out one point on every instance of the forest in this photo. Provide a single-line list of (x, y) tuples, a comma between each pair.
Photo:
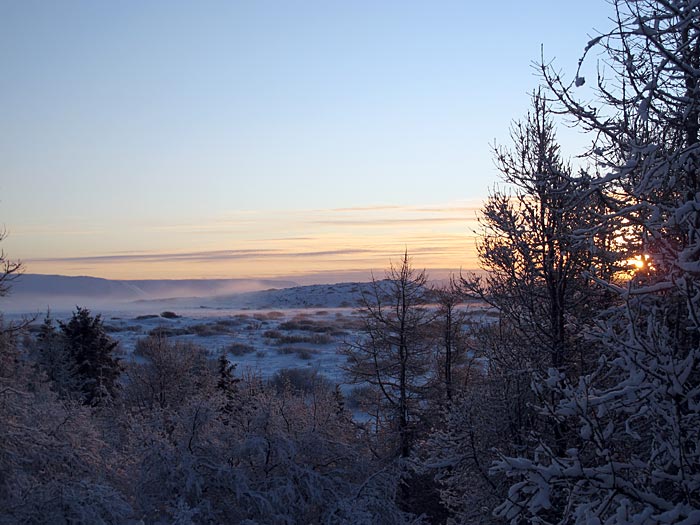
[(578, 404)]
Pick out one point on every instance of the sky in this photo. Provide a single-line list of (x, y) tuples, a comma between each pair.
[(168, 139)]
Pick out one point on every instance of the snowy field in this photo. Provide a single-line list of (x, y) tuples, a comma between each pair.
[(258, 341), (262, 331)]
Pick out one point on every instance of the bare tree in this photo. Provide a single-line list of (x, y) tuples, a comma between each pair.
[(392, 354), (9, 270), (450, 320)]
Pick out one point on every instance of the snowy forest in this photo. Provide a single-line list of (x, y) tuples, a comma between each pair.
[(578, 404)]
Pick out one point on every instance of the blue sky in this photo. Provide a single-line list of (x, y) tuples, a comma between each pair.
[(154, 127)]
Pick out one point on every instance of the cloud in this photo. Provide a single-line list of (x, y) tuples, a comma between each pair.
[(379, 222), (217, 255), (380, 207), (271, 243)]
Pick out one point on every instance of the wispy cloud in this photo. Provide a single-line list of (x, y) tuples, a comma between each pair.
[(380, 207), (218, 255), (270, 244), (381, 222)]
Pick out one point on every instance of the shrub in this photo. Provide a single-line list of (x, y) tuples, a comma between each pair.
[(299, 380), (302, 353), (239, 349), (166, 331)]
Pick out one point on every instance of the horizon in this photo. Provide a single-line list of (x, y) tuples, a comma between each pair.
[(321, 278)]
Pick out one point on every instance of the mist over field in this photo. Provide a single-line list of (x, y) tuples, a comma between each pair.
[(31, 292)]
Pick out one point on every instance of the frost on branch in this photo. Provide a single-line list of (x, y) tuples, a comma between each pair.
[(633, 453)]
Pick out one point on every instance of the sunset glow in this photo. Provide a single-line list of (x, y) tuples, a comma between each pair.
[(332, 244), (233, 139)]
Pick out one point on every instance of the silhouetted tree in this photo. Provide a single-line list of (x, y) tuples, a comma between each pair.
[(536, 263), (393, 355), (9, 270), (533, 244)]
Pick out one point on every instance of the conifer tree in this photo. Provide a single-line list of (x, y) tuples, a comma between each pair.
[(227, 386), (91, 352), (52, 358)]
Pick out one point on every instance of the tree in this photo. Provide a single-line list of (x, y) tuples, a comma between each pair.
[(450, 332), (52, 357), (53, 459), (227, 385), (392, 355), (90, 351), (636, 413), (9, 270), (536, 263), (172, 373), (535, 256), (537, 266)]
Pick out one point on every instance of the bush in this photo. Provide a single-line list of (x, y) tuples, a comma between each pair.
[(299, 380), (239, 349), (304, 324), (302, 353), (166, 331), (210, 329)]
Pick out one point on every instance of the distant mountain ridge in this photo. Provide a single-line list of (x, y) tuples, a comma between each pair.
[(35, 292)]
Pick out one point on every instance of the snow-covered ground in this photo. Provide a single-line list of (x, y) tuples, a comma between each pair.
[(261, 341), (261, 331)]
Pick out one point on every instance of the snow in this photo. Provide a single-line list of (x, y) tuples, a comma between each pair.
[(261, 331)]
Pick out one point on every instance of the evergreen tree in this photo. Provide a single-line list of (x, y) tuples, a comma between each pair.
[(227, 386), (52, 357), (91, 352)]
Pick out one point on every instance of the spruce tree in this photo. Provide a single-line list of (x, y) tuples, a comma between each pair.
[(91, 352)]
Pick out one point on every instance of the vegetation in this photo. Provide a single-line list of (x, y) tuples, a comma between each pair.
[(393, 354)]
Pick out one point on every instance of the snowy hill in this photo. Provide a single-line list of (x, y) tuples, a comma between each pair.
[(313, 296)]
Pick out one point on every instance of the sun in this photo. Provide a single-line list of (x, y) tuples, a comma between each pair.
[(640, 262), (636, 262)]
